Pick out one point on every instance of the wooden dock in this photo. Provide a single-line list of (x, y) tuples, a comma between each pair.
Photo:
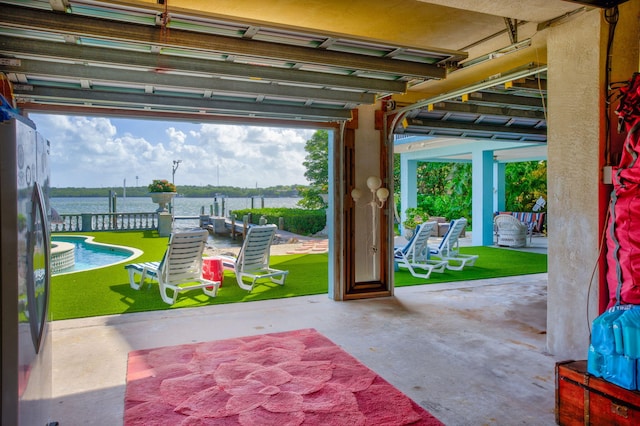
[(224, 226)]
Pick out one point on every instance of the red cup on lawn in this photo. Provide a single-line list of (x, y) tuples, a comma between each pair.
[(212, 269), (217, 271)]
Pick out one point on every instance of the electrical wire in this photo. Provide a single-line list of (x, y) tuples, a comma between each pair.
[(595, 266)]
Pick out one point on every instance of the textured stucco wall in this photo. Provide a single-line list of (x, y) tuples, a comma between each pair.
[(576, 57), (575, 81)]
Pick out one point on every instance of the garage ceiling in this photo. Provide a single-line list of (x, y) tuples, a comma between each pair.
[(512, 111), (101, 58), (286, 61)]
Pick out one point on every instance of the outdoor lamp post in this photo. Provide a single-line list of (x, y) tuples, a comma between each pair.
[(176, 164)]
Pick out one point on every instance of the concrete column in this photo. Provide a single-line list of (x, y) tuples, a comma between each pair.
[(335, 221), (576, 58), (499, 187), (482, 198), (408, 185), (165, 224), (218, 225)]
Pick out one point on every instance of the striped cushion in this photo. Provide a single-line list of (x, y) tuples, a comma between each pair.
[(535, 220), (152, 268)]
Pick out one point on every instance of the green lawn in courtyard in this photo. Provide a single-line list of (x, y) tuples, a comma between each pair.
[(106, 291)]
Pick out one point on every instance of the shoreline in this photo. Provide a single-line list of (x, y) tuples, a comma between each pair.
[(283, 244)]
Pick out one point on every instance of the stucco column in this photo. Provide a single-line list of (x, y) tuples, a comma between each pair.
[(576, 58), (499, 187), (482, 198), (408, 185)]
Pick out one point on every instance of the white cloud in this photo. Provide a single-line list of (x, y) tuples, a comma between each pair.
[(99, 152), (247, 156)]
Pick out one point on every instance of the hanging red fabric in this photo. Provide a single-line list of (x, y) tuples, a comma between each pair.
[(623, 228)]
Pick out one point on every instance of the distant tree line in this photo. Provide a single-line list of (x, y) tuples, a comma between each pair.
[(443, 189), (208, 191)]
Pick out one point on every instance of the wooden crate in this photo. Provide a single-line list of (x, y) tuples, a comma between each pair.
[(583, 399)]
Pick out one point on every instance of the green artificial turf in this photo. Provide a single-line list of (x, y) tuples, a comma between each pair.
[(106, 291), (492, 263)]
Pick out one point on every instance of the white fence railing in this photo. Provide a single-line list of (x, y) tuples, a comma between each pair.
[(105, 222)]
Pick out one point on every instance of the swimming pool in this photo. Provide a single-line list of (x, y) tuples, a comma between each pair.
[(81, 253)]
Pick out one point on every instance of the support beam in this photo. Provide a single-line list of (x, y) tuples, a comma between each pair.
[(512, 29)]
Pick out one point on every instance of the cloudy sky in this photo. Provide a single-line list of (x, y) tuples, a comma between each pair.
[(103, 152)]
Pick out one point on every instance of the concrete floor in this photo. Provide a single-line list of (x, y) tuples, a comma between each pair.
[(472, 353)]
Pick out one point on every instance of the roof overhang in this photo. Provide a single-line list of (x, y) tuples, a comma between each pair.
[(450, 150)]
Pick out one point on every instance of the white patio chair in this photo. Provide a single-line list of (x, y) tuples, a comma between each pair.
[(253, 259), (415, 254), (179, 270), (449, 249)]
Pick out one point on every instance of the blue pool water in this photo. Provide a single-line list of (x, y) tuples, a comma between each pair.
[(89, 255)]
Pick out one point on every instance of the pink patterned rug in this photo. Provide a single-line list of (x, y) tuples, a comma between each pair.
[(293, 378)]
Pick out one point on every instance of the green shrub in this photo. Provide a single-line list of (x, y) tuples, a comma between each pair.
[(298, 221), (415, 216)]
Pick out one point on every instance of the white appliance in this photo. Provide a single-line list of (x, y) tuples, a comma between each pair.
[(26, 367)]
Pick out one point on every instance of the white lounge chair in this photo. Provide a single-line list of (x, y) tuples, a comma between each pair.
[(415, 254), (254, 256), (449, 249), (510, 231), (179, 270)]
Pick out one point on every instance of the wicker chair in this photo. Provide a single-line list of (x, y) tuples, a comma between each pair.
[(510, 231)]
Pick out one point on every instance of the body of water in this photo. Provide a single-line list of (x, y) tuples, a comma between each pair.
[(182, 206)]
